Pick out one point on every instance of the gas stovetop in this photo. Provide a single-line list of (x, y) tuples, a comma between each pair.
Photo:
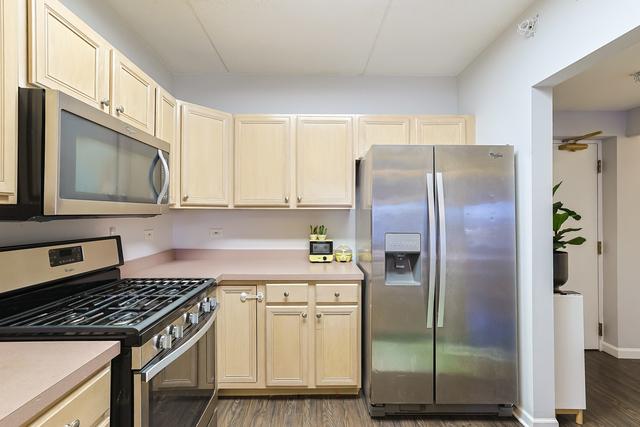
[(127, 306)]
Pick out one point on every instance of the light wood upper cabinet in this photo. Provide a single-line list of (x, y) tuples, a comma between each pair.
[(66, 54), (378, 130), (237, 335), (263, 146), (183, 372), (438, 130), (325, 165), (205, 156), (166, 122), (337, 345), (287, 355), (132, 93), (8, 100)]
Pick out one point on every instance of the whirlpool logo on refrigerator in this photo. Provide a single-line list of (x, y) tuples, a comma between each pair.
[(496, 155)]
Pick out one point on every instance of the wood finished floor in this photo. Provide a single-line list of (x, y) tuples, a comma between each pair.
[(613, 400)]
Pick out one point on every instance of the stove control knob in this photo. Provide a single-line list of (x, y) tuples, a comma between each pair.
[(177, 331), (205, 305), (194, 318), (163, 342)]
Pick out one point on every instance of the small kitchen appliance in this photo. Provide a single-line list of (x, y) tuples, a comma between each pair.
[(321, 250), (73, 291)]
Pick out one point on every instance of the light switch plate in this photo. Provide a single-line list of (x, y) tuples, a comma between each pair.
[(148, 234)]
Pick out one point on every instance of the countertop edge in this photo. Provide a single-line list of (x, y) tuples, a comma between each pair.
[(54, 393)]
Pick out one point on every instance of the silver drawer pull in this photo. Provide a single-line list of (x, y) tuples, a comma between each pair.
[(337, 294), (74, 423), (304, 315), (245, 296), (319, 315), (286, 294)]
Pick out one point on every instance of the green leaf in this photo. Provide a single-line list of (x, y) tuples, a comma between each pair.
[(555, 188), (567, 230), (576, 241), (558, 220)]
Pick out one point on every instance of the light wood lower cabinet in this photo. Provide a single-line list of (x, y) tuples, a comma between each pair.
[(337, 345), (8, 100), (298, 338), (89, 404)]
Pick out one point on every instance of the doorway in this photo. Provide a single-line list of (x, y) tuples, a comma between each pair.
[(581, 191)]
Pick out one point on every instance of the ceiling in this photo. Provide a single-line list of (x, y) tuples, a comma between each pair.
[(333, 37), (607, 86)]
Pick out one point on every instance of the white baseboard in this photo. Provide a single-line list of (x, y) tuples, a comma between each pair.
[(528, 421), (620, 352)]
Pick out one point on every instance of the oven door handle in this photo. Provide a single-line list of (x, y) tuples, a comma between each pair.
[(150, 371)]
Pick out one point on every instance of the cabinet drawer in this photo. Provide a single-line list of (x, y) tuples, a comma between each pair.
[(336, 293), (287, 292), (89, 404)]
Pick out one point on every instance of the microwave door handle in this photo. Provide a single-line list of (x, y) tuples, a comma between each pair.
[(165, 177), (149, 372), (152, 168)]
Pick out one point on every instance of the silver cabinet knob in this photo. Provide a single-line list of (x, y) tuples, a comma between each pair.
[(74, 423), (337, 294), (286, 199), (304, 315), (286, 294), (120, 109), (299, 199), (105, 102), (185, 197), (319, 315)]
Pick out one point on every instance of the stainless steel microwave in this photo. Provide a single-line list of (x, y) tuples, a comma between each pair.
[(77, 161)]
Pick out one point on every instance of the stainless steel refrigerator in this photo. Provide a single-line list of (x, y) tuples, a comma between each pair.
[(436, 241)]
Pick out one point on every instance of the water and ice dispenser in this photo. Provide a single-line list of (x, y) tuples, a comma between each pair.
[(402, 259)]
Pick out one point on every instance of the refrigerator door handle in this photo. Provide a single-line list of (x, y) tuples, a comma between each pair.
[(443, 249), (432, 250)]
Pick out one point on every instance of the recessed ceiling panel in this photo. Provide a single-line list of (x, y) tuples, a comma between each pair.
[(439, 37), (172, 30), (292, 36), (607, 86)]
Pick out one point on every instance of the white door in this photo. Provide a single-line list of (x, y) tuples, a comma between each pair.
[(579, 192)]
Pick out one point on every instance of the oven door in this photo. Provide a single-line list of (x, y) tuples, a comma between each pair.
[(173, 389), (97, 165)]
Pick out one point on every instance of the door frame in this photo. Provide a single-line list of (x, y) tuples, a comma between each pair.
[(600, 233)]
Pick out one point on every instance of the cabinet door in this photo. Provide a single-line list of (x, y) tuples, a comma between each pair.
[(66, 54), (263, 160), (325, 166), (337, 346), (206, 361), (237, 335), (205, 156), (444, 130), (379, 130), (8, 99), (167, 129), (287, 346), (132, 93), (183, 372)]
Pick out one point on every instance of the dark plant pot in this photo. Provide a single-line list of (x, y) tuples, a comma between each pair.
[(560, 269)]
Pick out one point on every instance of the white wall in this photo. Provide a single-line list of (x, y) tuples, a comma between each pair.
[(242, 93), (102, 18), (633, 122), (263, 229), (131, 230), (497, 88)]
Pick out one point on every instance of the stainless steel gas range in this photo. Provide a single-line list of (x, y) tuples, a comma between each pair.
[(73, 291)]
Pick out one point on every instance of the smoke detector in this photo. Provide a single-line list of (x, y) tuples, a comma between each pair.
[(527, 28)]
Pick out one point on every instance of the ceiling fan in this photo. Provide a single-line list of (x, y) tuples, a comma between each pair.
[(572, 144)]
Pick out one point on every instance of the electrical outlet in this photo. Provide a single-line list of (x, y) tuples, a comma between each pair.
[(215, 233), (148, 234)]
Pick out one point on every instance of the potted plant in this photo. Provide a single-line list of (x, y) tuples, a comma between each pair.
[(322, 233), (561, 258), (313, 232)]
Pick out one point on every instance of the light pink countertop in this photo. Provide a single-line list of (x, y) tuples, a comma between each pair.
[(239, 265), (36, 374)]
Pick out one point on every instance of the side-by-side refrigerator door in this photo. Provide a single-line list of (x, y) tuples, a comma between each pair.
[(476, 359), (402, 285)]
